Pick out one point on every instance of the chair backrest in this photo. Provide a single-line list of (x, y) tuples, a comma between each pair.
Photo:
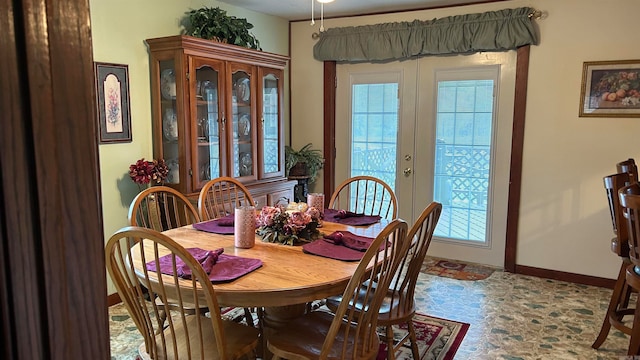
[(628, 166), (403, 286), (162, 208), (630, 204), (185, 335), (613, 183), (220, 197), (367, 287), (367, 195)]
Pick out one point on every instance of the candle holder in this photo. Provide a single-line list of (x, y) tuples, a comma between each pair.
[(244, 227)]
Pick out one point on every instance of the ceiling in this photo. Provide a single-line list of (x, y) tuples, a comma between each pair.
[(301, 9)]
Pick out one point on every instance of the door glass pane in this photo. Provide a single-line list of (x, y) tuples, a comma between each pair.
[(242, 140), (270, 119), (374, 131), (463, 158), (207, 126), (169, 113)]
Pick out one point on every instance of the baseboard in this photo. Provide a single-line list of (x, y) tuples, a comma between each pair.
[(113, 299), (565, 276)]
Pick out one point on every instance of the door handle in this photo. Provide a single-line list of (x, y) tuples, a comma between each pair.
[(407, 172)]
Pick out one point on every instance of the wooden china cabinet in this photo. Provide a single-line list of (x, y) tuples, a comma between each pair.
[(217, 111)]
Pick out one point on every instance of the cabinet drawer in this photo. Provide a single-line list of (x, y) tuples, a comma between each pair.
[(285, 196), (260, 200)]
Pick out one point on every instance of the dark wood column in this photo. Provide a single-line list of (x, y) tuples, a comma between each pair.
[(517, 144), (329, 169), (53, 294)]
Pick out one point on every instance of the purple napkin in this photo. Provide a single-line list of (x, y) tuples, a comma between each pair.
[(227, 267), (223, 225), (349, 218), (343, 214), (207, 260), (349, 240), (335, 246)]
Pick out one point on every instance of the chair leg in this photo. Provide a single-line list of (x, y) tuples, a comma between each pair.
[(634, 343), (619, 296), (391, 350), (413, 339), (249, 317)]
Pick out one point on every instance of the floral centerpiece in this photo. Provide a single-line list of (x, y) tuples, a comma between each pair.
[(288, 225), (146, 173)]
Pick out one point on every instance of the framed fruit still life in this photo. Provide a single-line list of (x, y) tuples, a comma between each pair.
[(610, 89)]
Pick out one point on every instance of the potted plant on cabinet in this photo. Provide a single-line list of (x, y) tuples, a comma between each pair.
[(214, 24), (305, 162)]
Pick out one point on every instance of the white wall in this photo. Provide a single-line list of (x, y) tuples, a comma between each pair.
[(564, 220), (119, 28)]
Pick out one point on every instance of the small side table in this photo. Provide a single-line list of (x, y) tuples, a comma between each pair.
[(301, 189)]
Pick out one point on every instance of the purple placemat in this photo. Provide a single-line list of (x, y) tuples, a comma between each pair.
[(351, 247), (223, 225), (333, 215), (226, 268)]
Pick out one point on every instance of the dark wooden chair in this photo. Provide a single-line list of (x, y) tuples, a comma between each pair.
[(350, 333), (630, 203), (619, 303), (186, 335), (628, 166), (367, 195)]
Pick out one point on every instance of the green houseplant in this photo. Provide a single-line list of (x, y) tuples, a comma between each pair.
[(303, 162), (214, 24)]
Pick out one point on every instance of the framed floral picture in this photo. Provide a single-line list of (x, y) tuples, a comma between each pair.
[(610, 89), (112, 91)]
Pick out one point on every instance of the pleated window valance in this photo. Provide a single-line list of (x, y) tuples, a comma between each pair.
[(462, 34)]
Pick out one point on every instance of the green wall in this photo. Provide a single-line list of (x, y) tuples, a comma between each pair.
[(119, 29)]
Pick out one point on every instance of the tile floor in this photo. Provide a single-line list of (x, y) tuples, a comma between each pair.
[(512, 317)]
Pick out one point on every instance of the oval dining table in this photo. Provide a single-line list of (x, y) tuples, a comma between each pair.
[(288, 278)]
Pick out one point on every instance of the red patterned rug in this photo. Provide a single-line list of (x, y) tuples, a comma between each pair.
[(438, 339), (456, 269)]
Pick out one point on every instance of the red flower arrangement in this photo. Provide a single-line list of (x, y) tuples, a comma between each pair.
[(149, 172)]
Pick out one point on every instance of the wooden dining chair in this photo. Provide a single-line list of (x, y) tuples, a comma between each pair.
[(619, 302), (367, 195), (185, 335), (350, 333), (161, 208), (630, 204), (628, 166), (398, 306), (219, 197)]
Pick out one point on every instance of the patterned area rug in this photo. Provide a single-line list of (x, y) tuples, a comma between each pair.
[(438, 339), (456, 269)]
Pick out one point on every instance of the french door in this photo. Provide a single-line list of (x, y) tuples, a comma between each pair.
[(436, 128)]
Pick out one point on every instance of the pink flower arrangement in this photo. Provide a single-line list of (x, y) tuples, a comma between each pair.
[(277, 225), (149, 172)]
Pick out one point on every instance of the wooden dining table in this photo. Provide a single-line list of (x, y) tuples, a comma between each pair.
[(288, 278)]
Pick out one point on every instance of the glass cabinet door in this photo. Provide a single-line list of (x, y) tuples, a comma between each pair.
[(208, 118), (271, 132), (242, 127), (169, 114)]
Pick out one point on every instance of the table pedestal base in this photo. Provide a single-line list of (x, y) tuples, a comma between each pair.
[(274, 318)]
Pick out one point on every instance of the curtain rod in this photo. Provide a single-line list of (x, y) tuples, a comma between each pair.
[(538, 15)]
